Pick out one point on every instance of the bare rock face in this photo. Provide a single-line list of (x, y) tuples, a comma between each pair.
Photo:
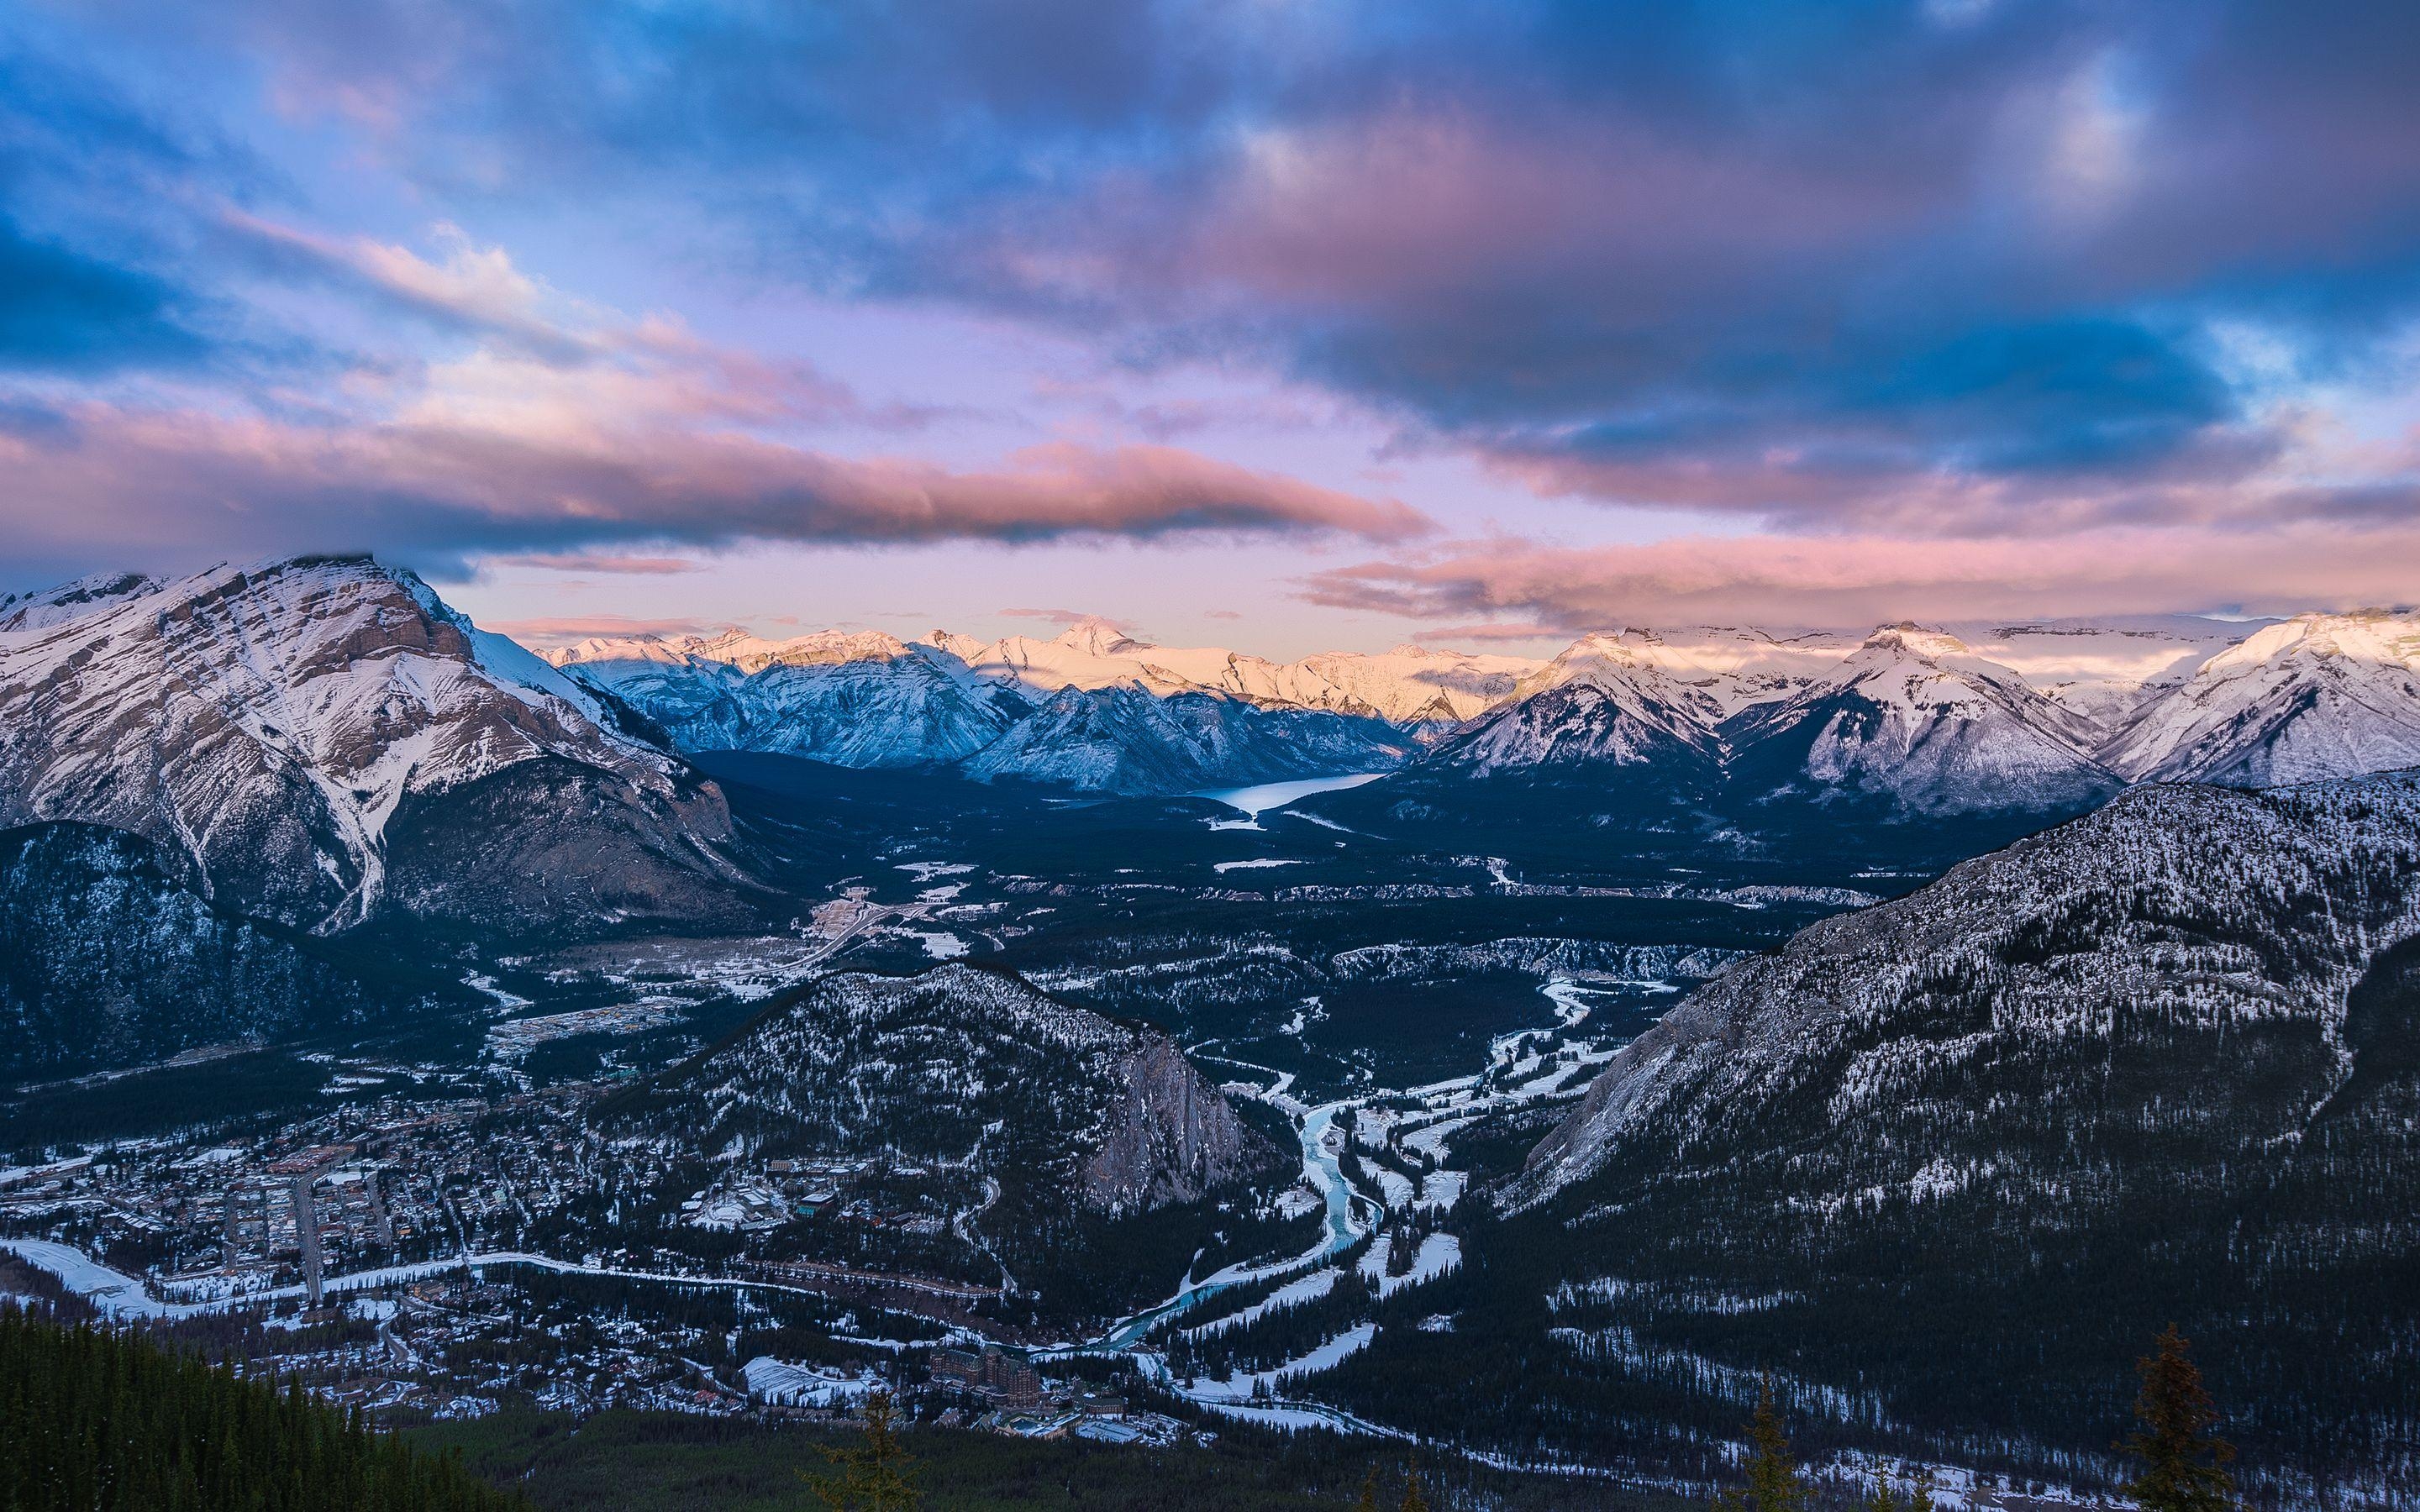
[(281, 729), (1171, 1136)]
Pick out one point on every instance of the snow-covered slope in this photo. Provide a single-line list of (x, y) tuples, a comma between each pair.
[(1608, 701), (1915, 715), (1732, 667), (1085, 711), (2105, 669), (276, 726), (865, 700), (1408, 684), (1131, 739), (2318, 696)]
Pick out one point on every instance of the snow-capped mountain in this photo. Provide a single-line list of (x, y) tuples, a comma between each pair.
[(1732, 667), (1407, 685), (1128, 739), (1608, 701), (864, 699), (1087, 711), (2105, 669), (2318, 696), (1915, 715), (308, 735)]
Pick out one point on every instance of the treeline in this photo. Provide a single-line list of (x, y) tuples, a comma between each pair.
[(99, 1421)]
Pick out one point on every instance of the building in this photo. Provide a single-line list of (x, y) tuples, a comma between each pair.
[(992, 1373)]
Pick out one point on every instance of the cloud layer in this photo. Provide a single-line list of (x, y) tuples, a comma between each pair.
[(1851, 580), (1867, 307), (1855, 262)]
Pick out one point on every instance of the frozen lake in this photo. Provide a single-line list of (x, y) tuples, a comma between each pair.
[(1259, 799)]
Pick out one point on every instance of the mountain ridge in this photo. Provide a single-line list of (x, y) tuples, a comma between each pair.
[(277, 726)]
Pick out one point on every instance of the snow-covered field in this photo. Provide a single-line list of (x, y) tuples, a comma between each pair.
[(783, 1385)]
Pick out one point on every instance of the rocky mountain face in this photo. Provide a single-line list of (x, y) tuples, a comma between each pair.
[(1917, 717), (1088, 711), (1919, 723), (865, 700), (2157, 1064), (1602, 704), (1126, 739), (322, 739), (108, 960), (2318, 696), (1061, 1131), (2039, 718)]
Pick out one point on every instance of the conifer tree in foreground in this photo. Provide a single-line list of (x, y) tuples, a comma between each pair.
[(1368, 1499), (1773, 1483), (2184, 1463), (1414, 1499), (876, 1474), (93, 1420)]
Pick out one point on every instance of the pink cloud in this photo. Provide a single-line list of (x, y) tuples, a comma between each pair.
[(562, 630), (1857, 581), (596, 562), (1065, 617), (451, 477)]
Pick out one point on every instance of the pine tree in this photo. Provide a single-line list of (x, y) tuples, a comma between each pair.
[(1368, 1500), (1886, 1497), (1773, 1483), (2183, 1463), (875, 1474), (1414, 1499), (96, 1419)]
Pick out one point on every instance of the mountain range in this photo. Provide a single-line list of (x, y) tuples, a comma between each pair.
[(2044, 717), (320, 742)]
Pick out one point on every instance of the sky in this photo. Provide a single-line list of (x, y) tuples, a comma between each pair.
[(1284, 325)]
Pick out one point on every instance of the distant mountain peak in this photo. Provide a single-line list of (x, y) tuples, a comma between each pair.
[(2316, 696), (1098, 636)]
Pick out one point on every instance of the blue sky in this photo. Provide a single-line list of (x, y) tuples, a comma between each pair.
[(1284, 325)]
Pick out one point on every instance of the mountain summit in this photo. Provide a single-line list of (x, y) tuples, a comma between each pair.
[(323, 738)]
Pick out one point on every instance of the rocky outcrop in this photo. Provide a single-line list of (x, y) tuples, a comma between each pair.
[(1169, 1135), (1068, 1110), (1978, 1144)]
